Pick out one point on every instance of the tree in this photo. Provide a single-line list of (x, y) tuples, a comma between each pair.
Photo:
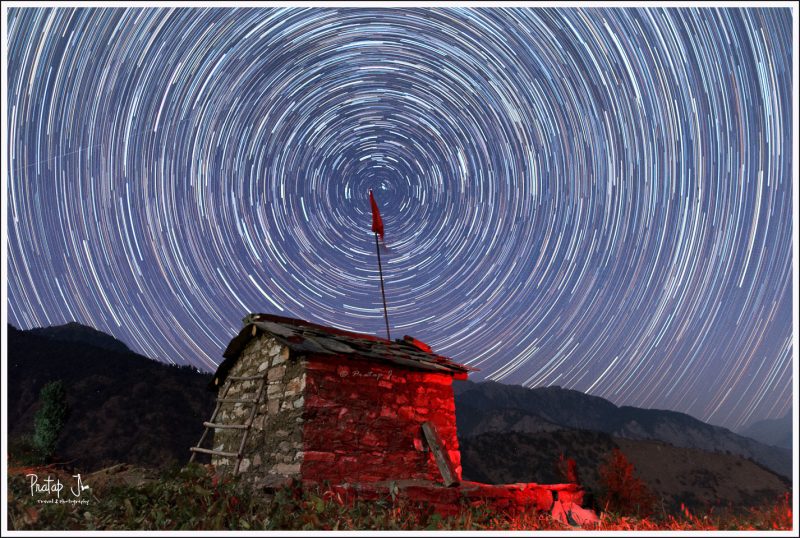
[(50, 418), (622, 491)]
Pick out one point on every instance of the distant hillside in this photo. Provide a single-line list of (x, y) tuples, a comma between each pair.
[(675, 475), (125, 407), (81, 334), (490, 406), (506, 458), (775, 432)]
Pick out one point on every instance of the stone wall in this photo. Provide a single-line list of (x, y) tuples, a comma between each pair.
[(363, 421), (273, 450)]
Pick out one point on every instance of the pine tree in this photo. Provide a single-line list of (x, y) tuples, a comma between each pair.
[(50, 419)]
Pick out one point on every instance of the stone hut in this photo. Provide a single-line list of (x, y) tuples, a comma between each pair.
[(332, 405), (370, 417)]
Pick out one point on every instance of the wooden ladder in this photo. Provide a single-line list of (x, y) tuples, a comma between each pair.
[(211, 425)]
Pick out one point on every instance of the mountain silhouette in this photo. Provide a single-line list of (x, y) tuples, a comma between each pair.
[(775, 432), (75, 332), (492, 406)]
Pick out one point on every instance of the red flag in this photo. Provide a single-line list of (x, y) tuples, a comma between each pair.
[(377, 222)]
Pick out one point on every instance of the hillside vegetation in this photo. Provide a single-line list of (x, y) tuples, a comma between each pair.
[(124, 407), (194, 499)]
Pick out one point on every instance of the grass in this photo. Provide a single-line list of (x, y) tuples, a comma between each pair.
[(193, 499)]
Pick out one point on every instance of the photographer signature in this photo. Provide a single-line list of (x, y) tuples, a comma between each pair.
[(50, 486)]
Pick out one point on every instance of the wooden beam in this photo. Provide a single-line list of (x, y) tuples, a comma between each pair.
[(225, 426), (214, 452), (236, 400), (442, 458)]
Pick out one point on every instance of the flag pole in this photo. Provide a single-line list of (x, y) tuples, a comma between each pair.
[(383, 293)]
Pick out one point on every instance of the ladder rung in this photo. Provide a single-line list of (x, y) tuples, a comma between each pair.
[(226, 426), (215, 452), (246, 378), (236, 400)]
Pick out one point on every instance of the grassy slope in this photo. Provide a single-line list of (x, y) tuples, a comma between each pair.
[(192, 498), (676, 476)]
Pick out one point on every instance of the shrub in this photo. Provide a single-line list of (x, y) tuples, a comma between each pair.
[(567, 469), (622, 491)]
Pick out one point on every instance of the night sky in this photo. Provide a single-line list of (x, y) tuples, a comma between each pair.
[(599, 199)]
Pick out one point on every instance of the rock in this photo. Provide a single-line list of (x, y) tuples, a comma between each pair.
[(287, 468), (319, 456), (370, 440), (406, 412), (273, 482), (298, 403), (573, 515), (276, 373), (295, 385)]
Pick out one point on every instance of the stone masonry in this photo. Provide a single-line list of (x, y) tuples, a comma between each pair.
[(364, 421), (333, 418), (273, 451)]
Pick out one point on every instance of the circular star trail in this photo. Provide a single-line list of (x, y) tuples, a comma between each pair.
[(593, 198)]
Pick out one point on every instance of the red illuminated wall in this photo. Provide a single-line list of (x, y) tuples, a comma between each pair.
[(362, 421)]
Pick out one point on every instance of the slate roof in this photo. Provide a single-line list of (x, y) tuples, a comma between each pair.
[(309, 338)]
